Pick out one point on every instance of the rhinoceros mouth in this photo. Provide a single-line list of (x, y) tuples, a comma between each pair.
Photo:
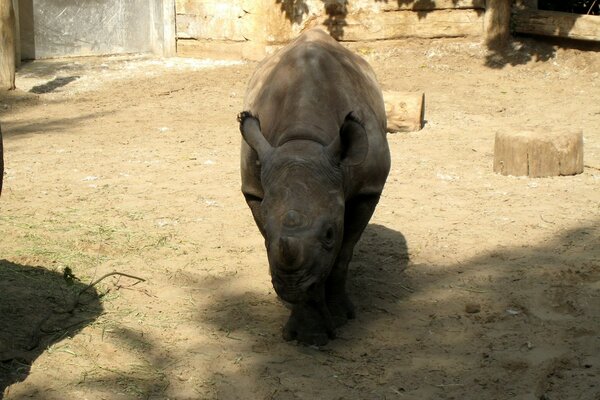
[(294, 289)]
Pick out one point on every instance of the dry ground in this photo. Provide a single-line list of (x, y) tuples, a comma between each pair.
[(130, 164)]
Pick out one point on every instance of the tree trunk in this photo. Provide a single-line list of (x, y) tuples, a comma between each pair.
[(7, 45)]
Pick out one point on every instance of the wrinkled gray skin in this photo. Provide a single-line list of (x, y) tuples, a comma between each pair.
[(314, 161)]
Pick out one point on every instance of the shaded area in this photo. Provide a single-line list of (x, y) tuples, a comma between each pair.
[(501, 51), (513, 293), (381, 254), (37, 310), (336, 11), (521, 50), (588, 7), (412, 337), (52, 85), (46, 125)]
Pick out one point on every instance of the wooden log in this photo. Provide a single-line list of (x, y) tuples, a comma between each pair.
[(553, 23), (7, 45), (402, 24), (428, 5), (405, 111), (538, 153)]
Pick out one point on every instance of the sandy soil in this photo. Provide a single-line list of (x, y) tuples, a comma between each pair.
[(468, 284)]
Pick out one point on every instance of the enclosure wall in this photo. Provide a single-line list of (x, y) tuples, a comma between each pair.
[(271, 22)]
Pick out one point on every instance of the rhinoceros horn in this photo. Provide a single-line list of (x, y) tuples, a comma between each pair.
[(290, 253)]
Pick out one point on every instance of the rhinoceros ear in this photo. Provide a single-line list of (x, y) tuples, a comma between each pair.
[(352, 144), (250, 129)]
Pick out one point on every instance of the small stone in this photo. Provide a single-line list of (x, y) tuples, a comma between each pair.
[(472, 308)]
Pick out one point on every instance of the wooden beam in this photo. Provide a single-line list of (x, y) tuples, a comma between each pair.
[(402, 24), (553, 23), (395, 5), (7, 45)]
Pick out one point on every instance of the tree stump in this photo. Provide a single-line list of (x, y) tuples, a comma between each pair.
[(538, 153), (405, 111)]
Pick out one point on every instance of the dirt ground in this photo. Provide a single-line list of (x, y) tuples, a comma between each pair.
[(468, 284)]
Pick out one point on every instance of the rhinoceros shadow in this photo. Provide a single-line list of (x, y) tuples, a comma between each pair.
[(376, 274), (34, 305)]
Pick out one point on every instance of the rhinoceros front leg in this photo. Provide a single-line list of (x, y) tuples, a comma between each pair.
[(357, 215), (310, 322)]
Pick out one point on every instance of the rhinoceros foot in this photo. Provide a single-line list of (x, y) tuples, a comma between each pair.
[(310, 323)]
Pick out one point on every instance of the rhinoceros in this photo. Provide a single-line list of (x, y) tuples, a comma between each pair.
[(314, 161)]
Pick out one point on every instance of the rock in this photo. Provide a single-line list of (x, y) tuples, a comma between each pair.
[(472, 308)]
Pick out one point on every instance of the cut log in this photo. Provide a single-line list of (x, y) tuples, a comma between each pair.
[(538, 153), (405, 111), (553, 23)]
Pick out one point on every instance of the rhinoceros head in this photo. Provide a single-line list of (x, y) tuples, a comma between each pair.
[(302, 211)]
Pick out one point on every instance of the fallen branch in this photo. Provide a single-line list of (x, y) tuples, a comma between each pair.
[(592, 167), (97, 281)]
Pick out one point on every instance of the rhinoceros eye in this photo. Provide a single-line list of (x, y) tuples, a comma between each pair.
[(328, 238)]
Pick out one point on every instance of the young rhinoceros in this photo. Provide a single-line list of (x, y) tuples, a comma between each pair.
[(314, 161)]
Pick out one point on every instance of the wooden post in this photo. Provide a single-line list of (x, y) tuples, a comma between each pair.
[(169, 30), (7, 45), (17, 34), (497, 22)]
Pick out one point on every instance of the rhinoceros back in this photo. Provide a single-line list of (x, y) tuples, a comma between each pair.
[(305, 90)]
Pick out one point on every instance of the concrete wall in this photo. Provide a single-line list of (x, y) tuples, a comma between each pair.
[(57, 28)]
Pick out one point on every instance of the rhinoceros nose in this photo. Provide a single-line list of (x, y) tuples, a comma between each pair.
[(293, 219)]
